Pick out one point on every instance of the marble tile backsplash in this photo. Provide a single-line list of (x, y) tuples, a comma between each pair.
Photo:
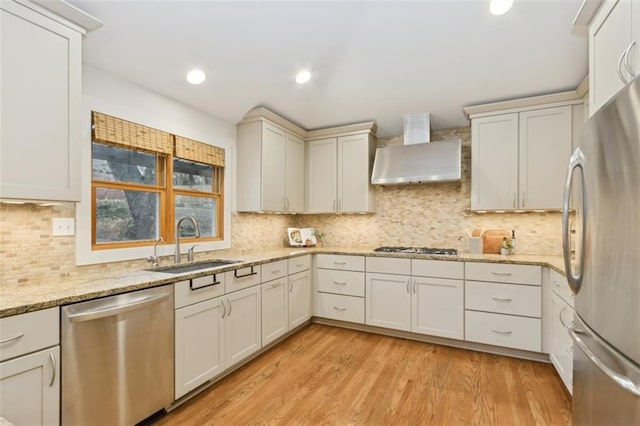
[(420, 215)]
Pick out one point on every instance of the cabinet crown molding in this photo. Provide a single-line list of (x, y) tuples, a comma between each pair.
[(523, 104), (71, 13)]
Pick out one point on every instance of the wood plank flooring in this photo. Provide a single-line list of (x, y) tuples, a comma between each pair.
[(329, 375)]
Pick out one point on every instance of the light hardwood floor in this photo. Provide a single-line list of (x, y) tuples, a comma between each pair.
[(329, 375)]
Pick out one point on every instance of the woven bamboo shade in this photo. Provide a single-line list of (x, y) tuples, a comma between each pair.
[(189, 149), (115, 131)]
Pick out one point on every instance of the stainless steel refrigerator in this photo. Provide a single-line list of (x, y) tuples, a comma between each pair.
[(603, 192)]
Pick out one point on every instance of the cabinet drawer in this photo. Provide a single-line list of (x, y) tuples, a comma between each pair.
[(25, 333), (340, 282), (437, 268), (338, 307), (196, 290), (560, 286), (273, 270), (504, 330), (299, 264), (334, 261), (504, 273), (525, 300), (242, 278), (389, 265)]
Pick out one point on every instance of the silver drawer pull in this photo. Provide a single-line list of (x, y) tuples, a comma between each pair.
[(275, 285), (335, 262), (339, 309), (503, 274), (299, 265), (556, 283), (53, 369), (501, 299), (12, 338), (340, 282), (500, 331), (275, 271)]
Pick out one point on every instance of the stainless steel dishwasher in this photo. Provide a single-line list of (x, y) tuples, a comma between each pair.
[(117, 358)]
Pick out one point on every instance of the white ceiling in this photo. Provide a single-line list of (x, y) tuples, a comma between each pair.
[(370, 60)]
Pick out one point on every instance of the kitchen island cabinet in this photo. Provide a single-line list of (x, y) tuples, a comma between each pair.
[(30, 368), (40, 88)]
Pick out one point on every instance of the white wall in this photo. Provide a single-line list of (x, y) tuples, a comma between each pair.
[(114, 96)]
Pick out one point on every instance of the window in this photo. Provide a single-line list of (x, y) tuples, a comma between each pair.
[(145, 180)]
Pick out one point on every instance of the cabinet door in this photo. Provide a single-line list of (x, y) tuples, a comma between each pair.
[(40, 103), (273, 168), (545, 148), (560, 339), (609, 36), (438, 307), (388, 300), (299, 298), (275, 310), (243, 331), (322, 169), (294, 170), (199, 344), (30, 388), (494, 162), (354, 178)]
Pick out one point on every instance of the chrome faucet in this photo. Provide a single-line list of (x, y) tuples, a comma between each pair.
[(176, 256), (154, 259)]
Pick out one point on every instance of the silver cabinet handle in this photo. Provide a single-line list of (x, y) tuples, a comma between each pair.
[(290, 285), (52, 359), (230, 306), (299, 265), (335, 262), (500, 331), (337, 308), (224, 308), (621, 380), (408, 289), (523, 197), (275, 285), (501, 274), (575, 281), (415, 284), (555, 283), (12, 338), (340, 282), (501, 299), (514, 200), (619, 68), (115, 310), (275, 271), (627, 60)]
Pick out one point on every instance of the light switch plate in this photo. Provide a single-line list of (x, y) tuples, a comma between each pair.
[(63, 226)]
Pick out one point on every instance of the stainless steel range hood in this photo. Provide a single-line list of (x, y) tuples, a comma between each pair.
[(418, 163)]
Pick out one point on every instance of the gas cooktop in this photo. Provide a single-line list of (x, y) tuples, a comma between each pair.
[(418, 250)]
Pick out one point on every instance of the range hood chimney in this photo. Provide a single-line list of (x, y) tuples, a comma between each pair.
[(418, 160)]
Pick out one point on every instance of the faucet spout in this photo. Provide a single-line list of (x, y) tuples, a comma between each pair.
[(176, 256)]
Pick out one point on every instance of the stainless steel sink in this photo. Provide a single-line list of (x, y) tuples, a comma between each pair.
[(180, 269)]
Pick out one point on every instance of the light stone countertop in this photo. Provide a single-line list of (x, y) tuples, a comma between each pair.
[(21, 298)]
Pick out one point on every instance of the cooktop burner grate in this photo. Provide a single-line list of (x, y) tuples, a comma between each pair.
[(418, 250)]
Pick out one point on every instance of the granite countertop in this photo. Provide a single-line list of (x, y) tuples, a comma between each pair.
[(17, 299)]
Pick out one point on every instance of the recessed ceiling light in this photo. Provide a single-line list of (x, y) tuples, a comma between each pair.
[(500, 7), (303, 77), (196, 76)]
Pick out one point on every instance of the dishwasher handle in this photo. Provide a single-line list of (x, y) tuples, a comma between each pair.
[(118, 309)]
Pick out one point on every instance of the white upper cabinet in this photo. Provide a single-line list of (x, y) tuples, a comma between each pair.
[(270, 166), (339, 174), (612, 59), (519, 158), (494, 162), (40, 100), (545, 148)]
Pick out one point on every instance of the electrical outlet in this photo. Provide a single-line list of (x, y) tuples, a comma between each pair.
[(63, 226)]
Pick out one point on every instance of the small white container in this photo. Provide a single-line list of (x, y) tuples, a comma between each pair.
[(475, 245)]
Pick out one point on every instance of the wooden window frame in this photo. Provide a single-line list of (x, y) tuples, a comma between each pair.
[(165, 189)]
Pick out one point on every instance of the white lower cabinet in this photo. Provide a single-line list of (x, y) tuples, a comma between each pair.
[(340, 287), (275, 309), (30, 368), (243, 332), (30, 388), (504, 330), (339, 307), (388, 301), (437, 307), (199, 344), (299, 305), (561, 347)]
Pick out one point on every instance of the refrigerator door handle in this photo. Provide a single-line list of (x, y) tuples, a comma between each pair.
[(574, 280), (622, 380)]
